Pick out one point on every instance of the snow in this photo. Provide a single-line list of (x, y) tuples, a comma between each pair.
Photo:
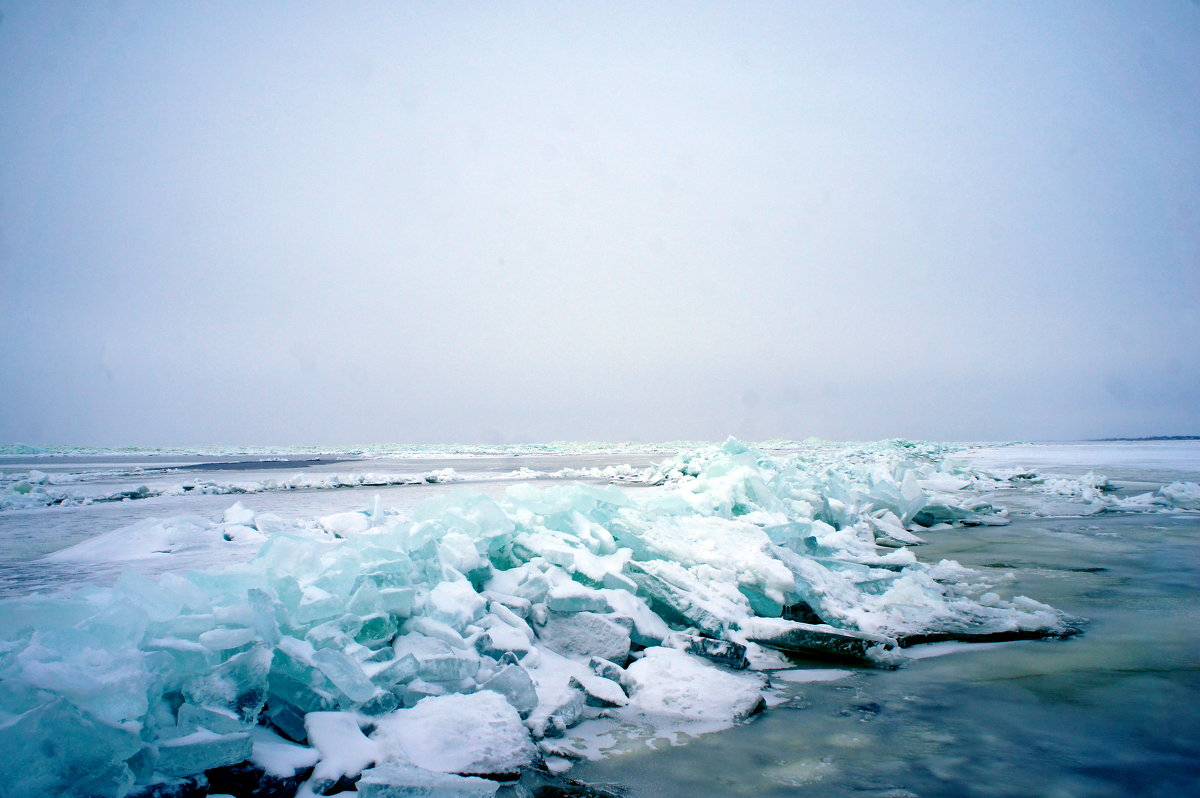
[(342, 748), (344, 525), (238, 513), (480, 733), (684, 687), (1184, 495), (147, 539), (586, 635), (279, 757)]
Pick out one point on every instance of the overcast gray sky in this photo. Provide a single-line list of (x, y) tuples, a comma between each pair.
[(290, 223)]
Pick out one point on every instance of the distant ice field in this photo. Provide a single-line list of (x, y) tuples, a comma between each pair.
[(1151, 461)]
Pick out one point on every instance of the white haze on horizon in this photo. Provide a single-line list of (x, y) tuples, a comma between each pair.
[(331, 224)]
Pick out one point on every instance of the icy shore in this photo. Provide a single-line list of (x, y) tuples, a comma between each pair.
[(391, 654)]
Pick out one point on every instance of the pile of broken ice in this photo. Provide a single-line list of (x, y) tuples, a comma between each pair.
[(402, 655)]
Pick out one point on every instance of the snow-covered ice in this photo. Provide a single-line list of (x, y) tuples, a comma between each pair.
[(473, 636)]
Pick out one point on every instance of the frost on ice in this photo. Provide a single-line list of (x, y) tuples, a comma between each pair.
[(472, 639)]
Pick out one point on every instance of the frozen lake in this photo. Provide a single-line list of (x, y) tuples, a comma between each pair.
[(1106, 713)]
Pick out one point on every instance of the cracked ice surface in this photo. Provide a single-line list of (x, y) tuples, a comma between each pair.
[(473, 638)]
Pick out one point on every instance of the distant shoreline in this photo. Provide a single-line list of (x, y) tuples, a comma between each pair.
[(1153, 438)]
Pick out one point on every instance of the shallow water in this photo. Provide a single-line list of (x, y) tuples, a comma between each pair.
[(1108, 713)]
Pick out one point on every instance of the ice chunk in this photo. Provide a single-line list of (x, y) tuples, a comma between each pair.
[(109, 682), (286, 718), (436, 629), (574, 597), (460, 552), (394, 671), (344, 750), (345, 673), (200, 751), (240, 533), (648, 628), (344, 525), (479, 734), (679, 597), (405, 781), (53, 750), (263, 609), (222, 721), (669, 682), (514, 683), (397, 600), (270, 524), (512, 610), (239, 513), (335, 633), (224, 639), (419, 689), (820, 639), (938, 513), (723, 652), (739, 550), (376, 629), (587, 634), (316, 604), (1184, 495), (889, 531), (437, 660), (565, 714), (455, 603), (278, 757), (607, 670), (381, 703), (239, 685), (600, 692), (501, 638), (159, 601)]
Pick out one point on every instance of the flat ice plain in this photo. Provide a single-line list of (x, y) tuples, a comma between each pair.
[(407, 621)]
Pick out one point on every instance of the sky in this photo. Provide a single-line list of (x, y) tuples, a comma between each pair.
[(328, 223)]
